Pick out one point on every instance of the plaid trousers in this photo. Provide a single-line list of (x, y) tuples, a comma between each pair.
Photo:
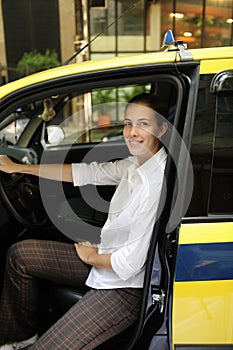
[(98, 316)]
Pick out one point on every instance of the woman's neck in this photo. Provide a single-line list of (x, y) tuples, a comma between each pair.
[(146, 156)]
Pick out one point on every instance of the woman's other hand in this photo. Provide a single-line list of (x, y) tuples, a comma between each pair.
[(88, 253), (86, 250)]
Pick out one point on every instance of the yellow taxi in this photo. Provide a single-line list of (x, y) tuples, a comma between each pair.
[(74, 113)]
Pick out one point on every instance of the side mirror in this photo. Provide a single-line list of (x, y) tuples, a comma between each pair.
[(55, 134)]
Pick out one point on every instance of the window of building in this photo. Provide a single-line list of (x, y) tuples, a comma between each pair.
[(101, 20), (188, 21), (218, 23), (166, 18), (121, 24)]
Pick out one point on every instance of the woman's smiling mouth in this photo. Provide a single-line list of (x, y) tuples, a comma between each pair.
[(135, 142)]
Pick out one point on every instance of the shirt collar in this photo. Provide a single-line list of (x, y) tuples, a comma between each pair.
[(156, 162)]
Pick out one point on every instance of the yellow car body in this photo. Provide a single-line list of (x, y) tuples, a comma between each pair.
[(212, 60)]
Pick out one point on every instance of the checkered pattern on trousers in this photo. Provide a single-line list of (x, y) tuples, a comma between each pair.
[(98, 316)]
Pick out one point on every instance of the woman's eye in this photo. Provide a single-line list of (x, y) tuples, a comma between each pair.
[(143, 124)]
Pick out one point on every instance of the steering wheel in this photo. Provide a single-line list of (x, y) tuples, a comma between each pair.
[(21, 195)]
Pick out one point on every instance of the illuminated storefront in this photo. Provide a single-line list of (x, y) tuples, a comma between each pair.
[(139, 26)]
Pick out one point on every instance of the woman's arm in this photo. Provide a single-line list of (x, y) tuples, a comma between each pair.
[(61, 172), (88, 253)]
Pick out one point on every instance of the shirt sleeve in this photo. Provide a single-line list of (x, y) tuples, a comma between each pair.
[(107, 173)]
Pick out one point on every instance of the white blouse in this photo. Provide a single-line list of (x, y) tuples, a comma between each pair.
[(133, 209)]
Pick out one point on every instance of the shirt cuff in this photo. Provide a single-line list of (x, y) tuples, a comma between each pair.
[(120, 267), (76, 172)]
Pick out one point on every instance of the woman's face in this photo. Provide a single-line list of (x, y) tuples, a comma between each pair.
[(142, 132)]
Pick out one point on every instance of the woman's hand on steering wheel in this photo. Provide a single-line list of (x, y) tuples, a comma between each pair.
[(7, 165)]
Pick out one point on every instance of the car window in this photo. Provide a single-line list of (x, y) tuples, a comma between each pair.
[(212, 152), (88, 117), (94, 116), (12, 132), (221, 190), (83, 116), (202, 147)]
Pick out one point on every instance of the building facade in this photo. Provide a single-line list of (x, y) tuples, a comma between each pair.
[(112, 27)]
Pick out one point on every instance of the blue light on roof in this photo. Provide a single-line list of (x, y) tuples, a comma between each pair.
[(168, 38)]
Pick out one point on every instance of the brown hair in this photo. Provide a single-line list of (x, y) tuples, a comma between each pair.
[(153, 102)]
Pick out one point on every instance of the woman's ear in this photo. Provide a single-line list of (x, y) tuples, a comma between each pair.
[(163, 129)]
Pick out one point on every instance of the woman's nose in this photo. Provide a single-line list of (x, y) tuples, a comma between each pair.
[(133, 130)]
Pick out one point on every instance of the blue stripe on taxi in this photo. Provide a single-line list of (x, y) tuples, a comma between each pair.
[(205, 262)]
